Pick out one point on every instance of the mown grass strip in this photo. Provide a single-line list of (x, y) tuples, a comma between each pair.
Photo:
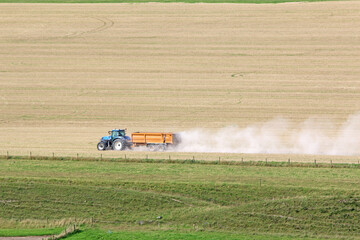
[(187, 161), (170, 235), (30, 232)]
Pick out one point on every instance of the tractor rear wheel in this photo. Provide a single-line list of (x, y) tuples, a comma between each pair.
[(118, 145), (101, 146)]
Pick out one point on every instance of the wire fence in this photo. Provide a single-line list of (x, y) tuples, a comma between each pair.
[(213, 158)]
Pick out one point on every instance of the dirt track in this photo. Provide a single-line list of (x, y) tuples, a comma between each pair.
[(75, 70)]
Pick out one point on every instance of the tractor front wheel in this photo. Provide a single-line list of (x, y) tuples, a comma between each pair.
[(101, 146)]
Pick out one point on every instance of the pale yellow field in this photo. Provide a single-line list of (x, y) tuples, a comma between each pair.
[(71, 72)]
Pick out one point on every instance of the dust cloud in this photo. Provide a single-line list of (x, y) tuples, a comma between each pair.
[(278, 136)]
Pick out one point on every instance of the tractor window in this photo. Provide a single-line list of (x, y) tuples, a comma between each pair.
[(122, 133), (115, 134)]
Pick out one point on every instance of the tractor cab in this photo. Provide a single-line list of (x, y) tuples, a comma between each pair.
[(116, 133)]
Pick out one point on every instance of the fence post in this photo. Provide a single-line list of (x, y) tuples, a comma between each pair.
[(125, 156), (260, 182), (331, 163), (30, 155), (169, 157), (147, 157), (219, 159), (53, 156), (7, 154), (266, 160), (101, 156), (315, 162), (242, 160), (77, 156), (289, 160), (193, 158)]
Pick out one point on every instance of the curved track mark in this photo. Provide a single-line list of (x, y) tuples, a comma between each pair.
[(106, 23)]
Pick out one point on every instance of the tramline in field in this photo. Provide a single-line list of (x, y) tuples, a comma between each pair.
[(156, 141)]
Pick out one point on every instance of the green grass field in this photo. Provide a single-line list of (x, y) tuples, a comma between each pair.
[(275, 202), (169, 235)]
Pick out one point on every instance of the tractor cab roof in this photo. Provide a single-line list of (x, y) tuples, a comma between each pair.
[(117, 132)]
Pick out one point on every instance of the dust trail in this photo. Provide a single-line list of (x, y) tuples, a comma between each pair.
[(278, 136)]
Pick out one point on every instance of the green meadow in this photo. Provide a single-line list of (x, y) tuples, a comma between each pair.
[(180, 200)]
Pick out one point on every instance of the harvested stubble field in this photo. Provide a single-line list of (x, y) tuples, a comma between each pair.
[(69, 72)]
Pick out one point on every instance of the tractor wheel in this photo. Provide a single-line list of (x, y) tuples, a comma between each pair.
[(101, 146), (118, 145)]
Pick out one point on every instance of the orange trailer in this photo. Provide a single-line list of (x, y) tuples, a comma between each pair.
[(154, 140)]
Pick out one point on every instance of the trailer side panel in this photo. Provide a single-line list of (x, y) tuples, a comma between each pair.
[(142, 138)]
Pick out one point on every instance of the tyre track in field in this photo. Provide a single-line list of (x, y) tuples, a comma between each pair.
[(106, 24)]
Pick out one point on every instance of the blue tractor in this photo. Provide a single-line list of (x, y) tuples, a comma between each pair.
[(117, 140)]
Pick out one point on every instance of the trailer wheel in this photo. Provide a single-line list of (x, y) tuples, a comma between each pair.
[(151, 147), (101, 146), (118, 145)]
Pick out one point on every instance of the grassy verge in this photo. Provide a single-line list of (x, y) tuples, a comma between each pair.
[(161, 1), (136, 196), (29, 232), (170, 235)]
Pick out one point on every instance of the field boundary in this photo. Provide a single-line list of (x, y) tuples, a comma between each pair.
[(243, 162)]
